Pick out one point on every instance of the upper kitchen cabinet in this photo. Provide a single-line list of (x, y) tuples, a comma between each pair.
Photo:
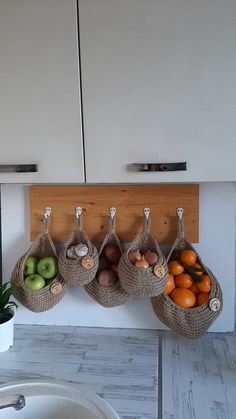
[(40, 114), (159, 86)]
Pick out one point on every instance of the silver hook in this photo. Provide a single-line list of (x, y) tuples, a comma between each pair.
[(180, 212), (146, 212), (78, 212), (47, 212), (112, 212)]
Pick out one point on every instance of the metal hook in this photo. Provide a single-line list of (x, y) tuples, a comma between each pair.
[(112, 212), (78, 212), (180, 212), (146, 212), (47, 212)]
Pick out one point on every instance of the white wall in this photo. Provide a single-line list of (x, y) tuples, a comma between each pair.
[(217, 248)]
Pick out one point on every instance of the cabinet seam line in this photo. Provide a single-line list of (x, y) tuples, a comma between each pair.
[(81, 90)]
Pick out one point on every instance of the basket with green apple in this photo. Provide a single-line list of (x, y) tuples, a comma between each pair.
[(36, 281)]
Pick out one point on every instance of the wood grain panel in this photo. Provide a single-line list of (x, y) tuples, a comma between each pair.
[(129, 201)]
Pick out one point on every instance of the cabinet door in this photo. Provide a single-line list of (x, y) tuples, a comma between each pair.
[(159, 87), (40, 119)]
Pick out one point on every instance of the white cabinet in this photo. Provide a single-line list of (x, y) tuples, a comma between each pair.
[(40, 115), (158, 81)]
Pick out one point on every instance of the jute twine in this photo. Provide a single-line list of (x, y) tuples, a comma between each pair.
[(71, 269), (189, 322), (44, 299), (143, 282), (108, 296)]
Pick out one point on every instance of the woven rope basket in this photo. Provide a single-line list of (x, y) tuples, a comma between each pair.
[(108, 296), (189, 322), (44, 299), (143, 282), (71, 269)]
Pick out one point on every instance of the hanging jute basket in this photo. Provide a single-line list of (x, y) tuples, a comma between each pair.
[(114, 295), (82, 270), (47, 297), (149, 281), (189, 322)]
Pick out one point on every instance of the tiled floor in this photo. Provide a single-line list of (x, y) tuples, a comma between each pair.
[(199, 377), (120, 365), (194, 379)]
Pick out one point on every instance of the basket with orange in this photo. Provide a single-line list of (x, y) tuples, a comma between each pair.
[(192, 297)]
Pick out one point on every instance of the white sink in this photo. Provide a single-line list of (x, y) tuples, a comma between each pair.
[(48, 400)]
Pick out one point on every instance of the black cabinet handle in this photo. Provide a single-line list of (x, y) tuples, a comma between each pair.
[(18, 168), (157, 167)]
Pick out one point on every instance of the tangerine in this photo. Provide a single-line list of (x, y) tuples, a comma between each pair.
[(183, 281), (188, 257), (194, 288), (175, 267), (197, 265), (170, 284), (183, 297), (204, 284), (202, 298)]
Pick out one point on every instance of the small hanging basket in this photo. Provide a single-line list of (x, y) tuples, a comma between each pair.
[(149, 281), (82, 270), (189, 322), (114, 295), (48, 296)]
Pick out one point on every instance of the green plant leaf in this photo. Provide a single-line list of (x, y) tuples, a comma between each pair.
[(192, 271), (4, 297), (3, 287), (5, 314), (11, 304)]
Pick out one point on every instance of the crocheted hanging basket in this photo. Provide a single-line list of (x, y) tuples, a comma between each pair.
[(75, 271), (146, 282), (189, 322), (47, 297), (108, 296)]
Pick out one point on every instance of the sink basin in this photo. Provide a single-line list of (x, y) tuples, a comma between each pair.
[(51, 400)]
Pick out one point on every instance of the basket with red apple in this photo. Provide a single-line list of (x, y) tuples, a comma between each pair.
[(106, 288), (36, 281)]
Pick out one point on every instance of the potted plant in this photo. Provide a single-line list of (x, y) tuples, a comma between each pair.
[(6, 317)]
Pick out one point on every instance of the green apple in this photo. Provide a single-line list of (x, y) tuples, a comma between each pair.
[(30, 266), (48, 267), (34, 282)]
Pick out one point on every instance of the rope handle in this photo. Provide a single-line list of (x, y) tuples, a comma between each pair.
[(79, 218), (180, 233), (46, 220), (112, 220), (147, 221)]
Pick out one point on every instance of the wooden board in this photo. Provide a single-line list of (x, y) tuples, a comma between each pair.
[(129, 200)]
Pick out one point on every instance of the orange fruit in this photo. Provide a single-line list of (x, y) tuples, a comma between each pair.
[(183, 281), (197, 265), (175, 267), (183, 297), (188, 256), (194, 288), (170, 284), (202, 298), (205, 284)]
